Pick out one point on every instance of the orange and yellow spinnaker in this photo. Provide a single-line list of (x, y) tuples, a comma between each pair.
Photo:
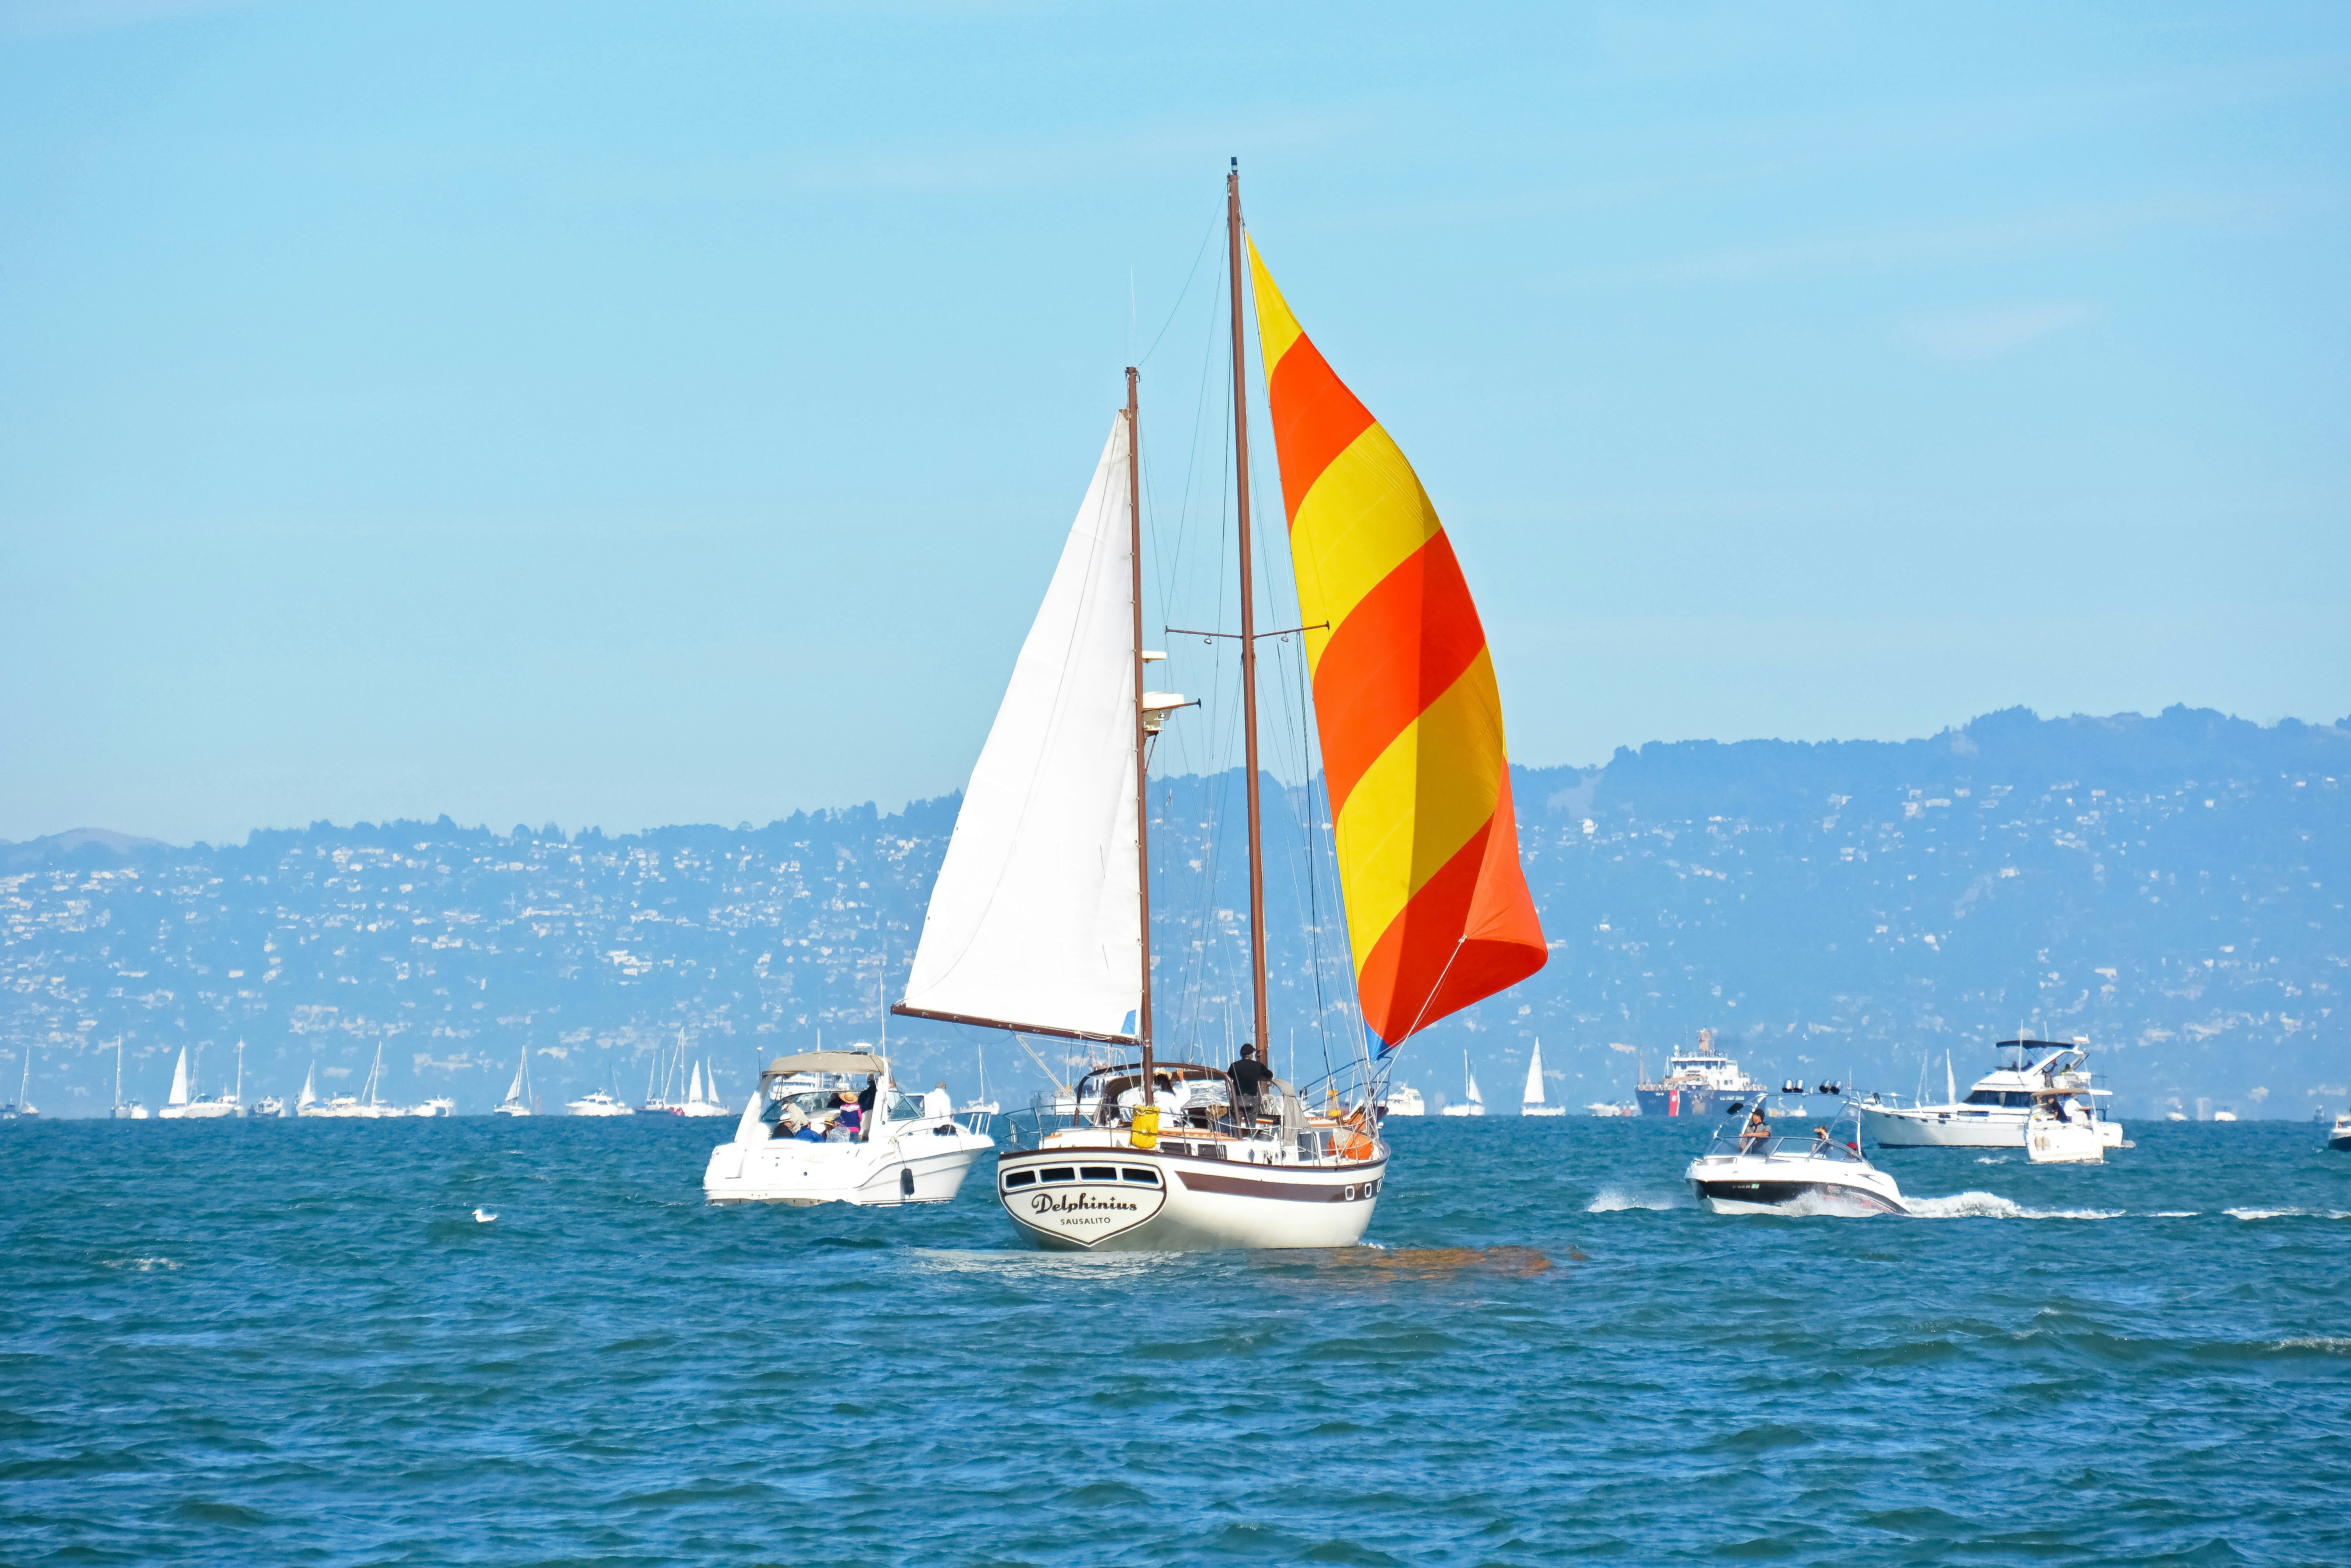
[(1404, 700)]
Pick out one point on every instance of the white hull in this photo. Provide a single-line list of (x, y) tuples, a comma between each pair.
[(1464, 1109), (1542, 1110), (130, 1112), (352, 1110), (201, 1111), (511, 1108), (2049, 1141), (600, 1105), (919, 1165), (1959, 1128), (1105, 1197), (1792, 1181)]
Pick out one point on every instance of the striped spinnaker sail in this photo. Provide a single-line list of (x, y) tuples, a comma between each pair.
[(1405, 701)]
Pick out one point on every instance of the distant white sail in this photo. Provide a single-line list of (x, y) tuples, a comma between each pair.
[(1534, 1094), (1474, 1098), (513, 1090), (180, 1081), (694, 1094), (1034, 923), (309, 1095)]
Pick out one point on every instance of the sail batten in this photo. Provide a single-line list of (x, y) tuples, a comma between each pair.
[(1407, 703), (1035, 920)]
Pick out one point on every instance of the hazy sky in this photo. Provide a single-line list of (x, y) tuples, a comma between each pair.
[(636, 414)]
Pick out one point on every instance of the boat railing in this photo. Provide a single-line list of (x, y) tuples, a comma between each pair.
[(1793, 1145)]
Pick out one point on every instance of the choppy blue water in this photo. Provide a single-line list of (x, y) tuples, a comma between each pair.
[(292, 1343)]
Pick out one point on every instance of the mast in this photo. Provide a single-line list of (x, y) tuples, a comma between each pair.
[(1248, 619), (1141, 748)]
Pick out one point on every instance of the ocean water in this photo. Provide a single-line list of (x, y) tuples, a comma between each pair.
[(283, 1342)]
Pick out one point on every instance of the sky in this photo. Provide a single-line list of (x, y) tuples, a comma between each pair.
[(626, 415)]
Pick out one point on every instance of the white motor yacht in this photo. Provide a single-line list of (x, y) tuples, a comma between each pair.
[(1758, 1172), (1994, 1114), (269, 1105), (1695, 1083), (437, 1105), (1613, 1108), (906, 1150), (2062, 1130), (1473, 1104), (598, 1102), (518, 1101), (1533, 1104), (1404, 1100), (2339, 1140)]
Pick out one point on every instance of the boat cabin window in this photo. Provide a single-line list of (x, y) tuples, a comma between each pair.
[(1985, 1097), (1100, 1173), (1020, 1178), (904, 1107), (1148, 1178), (1061, 1173)]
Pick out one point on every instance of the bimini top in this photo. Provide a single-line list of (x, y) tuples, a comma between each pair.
[(827, 1062)]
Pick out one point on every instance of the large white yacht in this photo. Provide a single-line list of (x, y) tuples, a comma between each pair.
[(1695, 1082), (597, 1103), (1994, 1114), (789, 1148), (1404, 1100)]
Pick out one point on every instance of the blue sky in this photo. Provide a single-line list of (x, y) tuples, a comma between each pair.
[(635, 414)]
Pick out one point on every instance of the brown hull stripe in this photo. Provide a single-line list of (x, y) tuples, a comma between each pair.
[(1241, 1186)]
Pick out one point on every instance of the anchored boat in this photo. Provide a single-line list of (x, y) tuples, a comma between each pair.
[(1997, 1109), (793, 1146), (1040, 921), (1533, 1104)]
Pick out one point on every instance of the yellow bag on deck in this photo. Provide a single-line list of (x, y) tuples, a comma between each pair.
[(1144, 1133)]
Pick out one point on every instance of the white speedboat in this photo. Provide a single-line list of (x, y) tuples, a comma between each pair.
[(437, 1105), (1612, 1108), (1473, 1104), (597, 1103), (1695, 1082), (1533, 1104), (518, 1095), (906, 1150), (269, 1105), (1404, 1100), (1761, 1172), (2339, 1140), (1995, 1110), (2061, 1129)]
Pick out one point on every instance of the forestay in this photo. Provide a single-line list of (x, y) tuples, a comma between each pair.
[(1035, 920)]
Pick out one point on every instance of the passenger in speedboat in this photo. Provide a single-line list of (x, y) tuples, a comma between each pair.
[(1757, 1132), (848, 1120), (1821, 1142)]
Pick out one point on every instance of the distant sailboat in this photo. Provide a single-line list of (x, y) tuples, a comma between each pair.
[(701, 1099), (185, 1104), (368, 1105), (24, 1105), (1474, 1103), (124, 1110), (518, 1100), (308, 1098), (1532, 1104)]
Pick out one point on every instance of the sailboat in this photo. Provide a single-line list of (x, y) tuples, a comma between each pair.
[(24, 1105), (368, 1105), (1472, 1103), (702, 1095), (1533, 1103), (124, 1110), (1040, 918), (518, 1100), (185, 1104), (305, 1102)]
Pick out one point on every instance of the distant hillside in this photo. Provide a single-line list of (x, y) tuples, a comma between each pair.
[(2169, 887)]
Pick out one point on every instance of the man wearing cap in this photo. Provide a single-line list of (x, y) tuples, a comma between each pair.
[(1250, 1078)]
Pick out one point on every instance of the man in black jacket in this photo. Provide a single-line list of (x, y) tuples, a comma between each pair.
[(1250, 1078)]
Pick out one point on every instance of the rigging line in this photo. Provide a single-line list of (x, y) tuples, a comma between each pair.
[(1215, 221)]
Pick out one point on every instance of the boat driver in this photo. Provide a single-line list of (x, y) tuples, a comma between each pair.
[(1250, 1078), (1756, 1133)]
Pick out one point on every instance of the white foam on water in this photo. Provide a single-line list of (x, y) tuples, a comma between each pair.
[(1992, 1206), (2331, 1345), (1617, 1199), (143, 1265), (2175, 1213), (1991, 1159), (2286, 1214)]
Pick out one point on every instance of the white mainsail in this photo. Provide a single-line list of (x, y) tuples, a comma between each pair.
[(309, 1095), (180, 1081), (1035, 920), (1474, 1097), (1534, 1094), (694, 1094), (513, 1090)]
